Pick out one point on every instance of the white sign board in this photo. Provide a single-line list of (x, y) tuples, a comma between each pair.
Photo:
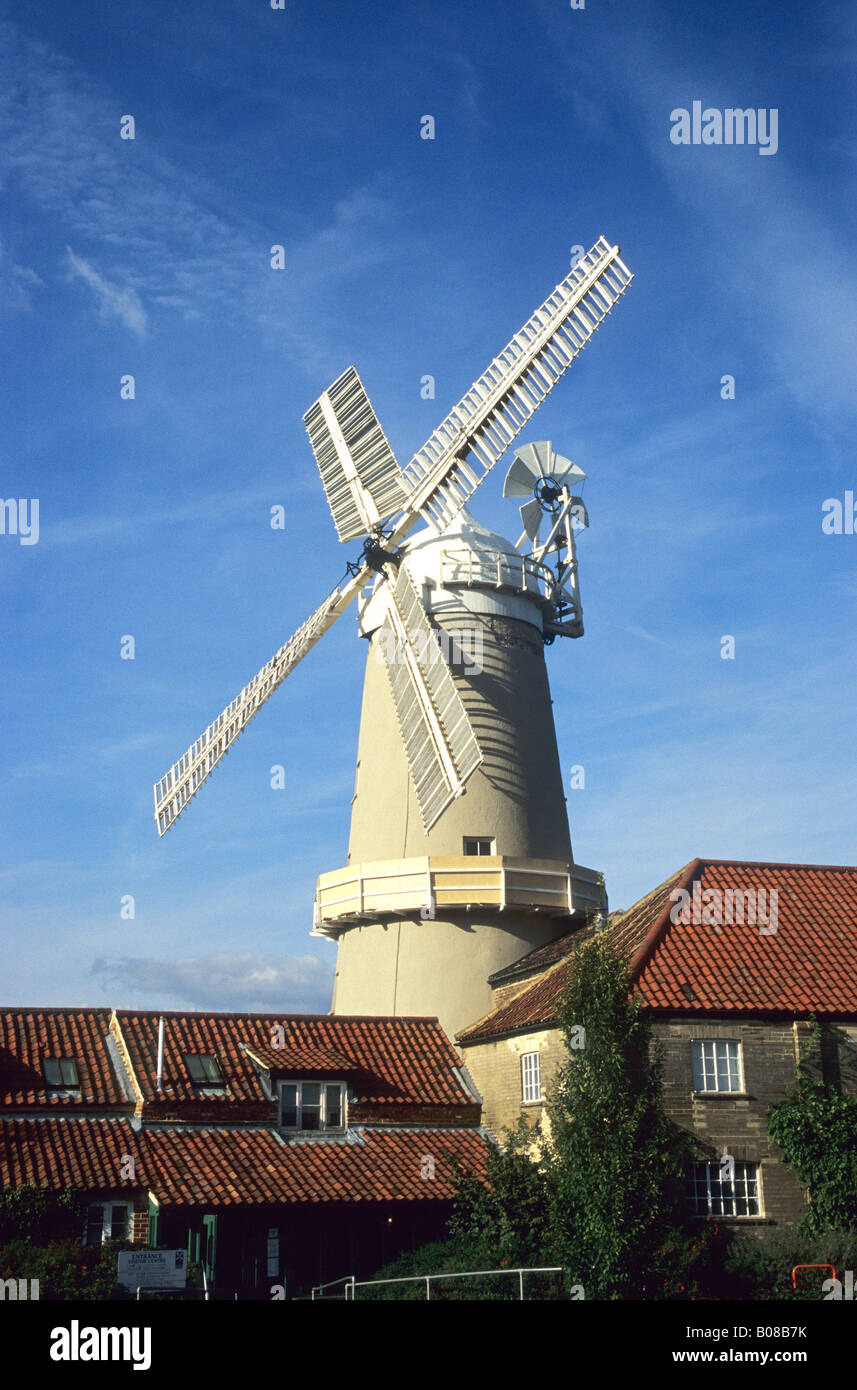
[(152, 1269)]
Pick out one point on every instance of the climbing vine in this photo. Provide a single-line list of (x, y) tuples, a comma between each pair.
[(815, 1126)]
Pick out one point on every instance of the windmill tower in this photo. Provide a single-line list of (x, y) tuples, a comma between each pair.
[(459, 855)]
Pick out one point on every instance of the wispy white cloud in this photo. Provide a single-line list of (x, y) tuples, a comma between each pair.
[(646, 636), (155, 238), (768, 241), (200, 507), (17, 283), (113, 301), (257, 983)]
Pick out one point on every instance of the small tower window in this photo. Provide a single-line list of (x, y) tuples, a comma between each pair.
[(472, 845)]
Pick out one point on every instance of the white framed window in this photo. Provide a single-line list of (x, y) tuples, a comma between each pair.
[(107, 1221), (61, 1074), (475, 844), (531, 1078), (312, 1105), (717, 1065), (719, 1189)]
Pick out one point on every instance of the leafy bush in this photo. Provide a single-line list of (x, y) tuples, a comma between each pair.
[(762, 1268), (65, 1269), (37, 1214)]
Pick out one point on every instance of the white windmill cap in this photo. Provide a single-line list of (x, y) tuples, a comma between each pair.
[(467, 549)]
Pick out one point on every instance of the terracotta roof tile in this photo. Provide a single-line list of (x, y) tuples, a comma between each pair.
[(391, 1061), (226, 1167), (808, 965), (29, 1036), (70, 1151)]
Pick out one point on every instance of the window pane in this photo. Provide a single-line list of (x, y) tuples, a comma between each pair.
[(53, 1075), (311, 1093), (716, 1066), (211, 1069), (118, 1223), (311, 1116), (94, 1225), (194, 1066), (68, 1071), (289, 1106), (333, 1106), (530, 1076), (696, 1055), (710, 1193)]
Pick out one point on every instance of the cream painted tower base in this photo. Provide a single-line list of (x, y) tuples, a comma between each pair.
[(423, 918)]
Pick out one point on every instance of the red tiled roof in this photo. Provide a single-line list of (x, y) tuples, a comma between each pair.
[(70, 1151), (537, 960), (392, 1061), (223, 1167), (808, 965), (300, 1058), (28, 1036), (219, 1167)]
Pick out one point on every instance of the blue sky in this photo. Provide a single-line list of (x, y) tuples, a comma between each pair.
[(300, 127)]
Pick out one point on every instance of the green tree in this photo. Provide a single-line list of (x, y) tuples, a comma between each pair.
[(603, 1192), (614, 1163)]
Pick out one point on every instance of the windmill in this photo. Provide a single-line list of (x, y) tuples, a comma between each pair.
[(427, 735)]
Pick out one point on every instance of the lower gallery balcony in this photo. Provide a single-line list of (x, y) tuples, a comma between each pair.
[(440, 884)]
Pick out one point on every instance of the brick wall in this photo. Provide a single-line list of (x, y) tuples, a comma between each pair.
[(736, 1123), (140, 1225), (727, 1123), (496, 1071)]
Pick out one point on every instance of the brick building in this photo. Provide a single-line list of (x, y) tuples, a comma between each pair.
[(276, 1150), (756, 953)]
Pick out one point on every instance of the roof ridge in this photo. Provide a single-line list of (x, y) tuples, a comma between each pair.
[(778, 864), (656, 930)]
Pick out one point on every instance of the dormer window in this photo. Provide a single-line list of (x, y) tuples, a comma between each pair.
[(61, 1074), (478, 845), (204, 1070), (312, 1105)]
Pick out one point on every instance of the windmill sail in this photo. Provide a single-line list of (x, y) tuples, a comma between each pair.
[(440, 744), (184, 779), (361, 477), (365, 486), (507, 395)]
